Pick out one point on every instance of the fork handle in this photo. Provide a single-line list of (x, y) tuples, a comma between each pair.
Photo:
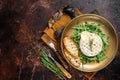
[(66, 73), (61, 59)]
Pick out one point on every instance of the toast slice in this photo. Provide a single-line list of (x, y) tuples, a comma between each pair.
[(74, 61), (70, 46)]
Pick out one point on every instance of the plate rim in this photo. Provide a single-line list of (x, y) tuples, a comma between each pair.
[(116, 36)]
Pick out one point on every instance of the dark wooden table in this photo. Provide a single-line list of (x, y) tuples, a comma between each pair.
[(21, 25)]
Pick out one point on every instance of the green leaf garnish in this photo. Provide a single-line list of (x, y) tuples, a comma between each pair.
[(92, 28)]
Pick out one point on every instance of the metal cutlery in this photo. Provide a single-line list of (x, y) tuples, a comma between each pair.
[(65, 72), (52, 46)]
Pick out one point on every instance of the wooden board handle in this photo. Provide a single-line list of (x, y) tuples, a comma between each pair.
[(66, 73)]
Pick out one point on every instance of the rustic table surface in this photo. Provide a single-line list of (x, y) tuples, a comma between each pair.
[(21, 25)]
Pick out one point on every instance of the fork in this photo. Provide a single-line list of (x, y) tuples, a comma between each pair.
[(52, 46), (65, 72)]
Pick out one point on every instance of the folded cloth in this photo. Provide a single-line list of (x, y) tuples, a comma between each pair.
[(55, 26)]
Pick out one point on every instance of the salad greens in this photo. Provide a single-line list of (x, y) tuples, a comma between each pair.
[(48, 63), (93, 28)]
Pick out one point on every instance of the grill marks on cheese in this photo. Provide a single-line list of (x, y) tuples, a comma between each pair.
[(70, 46), (85, 43)]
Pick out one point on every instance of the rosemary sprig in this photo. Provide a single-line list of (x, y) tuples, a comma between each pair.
[(91, 43), (48, 63)]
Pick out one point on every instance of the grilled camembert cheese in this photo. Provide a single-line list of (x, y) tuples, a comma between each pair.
[(90, 43)]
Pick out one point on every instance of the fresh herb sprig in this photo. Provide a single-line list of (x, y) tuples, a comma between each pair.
[(93, 28), (91, 43), (48, 63)]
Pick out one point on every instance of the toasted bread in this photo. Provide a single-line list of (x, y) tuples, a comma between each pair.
[(74, 61), (70, 46)]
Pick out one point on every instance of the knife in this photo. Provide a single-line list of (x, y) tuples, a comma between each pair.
[(65, 72), (50, 43)]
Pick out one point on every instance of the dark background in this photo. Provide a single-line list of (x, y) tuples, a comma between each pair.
[(21, 25)]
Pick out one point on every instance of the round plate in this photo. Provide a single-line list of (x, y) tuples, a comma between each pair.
[(110, 33)]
